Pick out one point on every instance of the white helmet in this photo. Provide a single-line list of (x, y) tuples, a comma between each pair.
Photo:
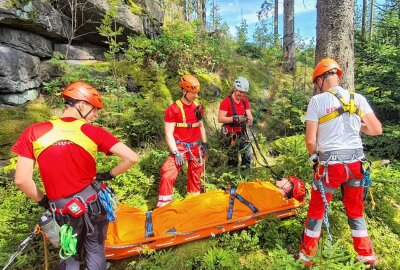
[(241, 84)]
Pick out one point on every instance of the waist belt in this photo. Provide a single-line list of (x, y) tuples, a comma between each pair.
[(188, 125), (187, 144), (75, 205), (341, 155)]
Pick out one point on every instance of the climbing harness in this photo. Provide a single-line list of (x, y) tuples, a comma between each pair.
[(68, 242), (349, 107), (184, 124), (65, 131)]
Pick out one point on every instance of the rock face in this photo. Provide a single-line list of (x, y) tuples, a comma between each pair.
[(32, 32)]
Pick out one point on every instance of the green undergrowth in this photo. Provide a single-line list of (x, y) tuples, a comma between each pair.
[(16, 119)]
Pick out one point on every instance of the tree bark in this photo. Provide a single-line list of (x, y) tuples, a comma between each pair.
[(371, 18), (276, 24), (364, 19), (335, 36), (288, 36), (203, 13)]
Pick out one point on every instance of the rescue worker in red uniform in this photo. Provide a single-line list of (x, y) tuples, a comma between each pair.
[(334, 119), (65, 150), (186, 139), (234, 114)]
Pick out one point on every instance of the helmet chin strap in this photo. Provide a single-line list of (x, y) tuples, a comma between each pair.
[(184, 96), (81, 115)]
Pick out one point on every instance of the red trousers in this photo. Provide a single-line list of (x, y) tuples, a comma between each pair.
[(169, 173), (349, 178)]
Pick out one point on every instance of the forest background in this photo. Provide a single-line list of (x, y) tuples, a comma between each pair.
[(279, 93)]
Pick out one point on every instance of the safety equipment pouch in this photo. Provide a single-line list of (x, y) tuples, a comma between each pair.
[(199, 112), (75, 207)]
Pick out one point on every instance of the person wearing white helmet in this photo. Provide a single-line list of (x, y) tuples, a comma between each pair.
[(234, 114)]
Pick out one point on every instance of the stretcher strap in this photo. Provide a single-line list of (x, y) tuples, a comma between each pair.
[(232, 197), (247, 203), (232, 193), (149, 225)]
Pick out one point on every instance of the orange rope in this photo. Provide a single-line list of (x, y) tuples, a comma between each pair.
[(38, 230)]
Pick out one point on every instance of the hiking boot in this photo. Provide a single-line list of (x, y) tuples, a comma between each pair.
[(305, 260), (368, 260)]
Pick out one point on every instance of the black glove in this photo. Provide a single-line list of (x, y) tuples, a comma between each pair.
[(44, 202), (179, 160), (104, 176), (204, 148), (239, 119)]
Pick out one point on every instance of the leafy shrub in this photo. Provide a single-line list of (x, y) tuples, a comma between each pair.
[(385, 146), (242, 241), (219, 259)]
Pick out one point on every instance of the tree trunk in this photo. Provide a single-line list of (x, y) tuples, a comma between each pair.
[(186, 10), (276, 34), (203, 13), (288, 35), (371, 18), (335, 36), (364, 19), (198, 10)]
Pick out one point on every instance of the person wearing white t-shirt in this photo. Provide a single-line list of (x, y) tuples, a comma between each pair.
[(335, 117)]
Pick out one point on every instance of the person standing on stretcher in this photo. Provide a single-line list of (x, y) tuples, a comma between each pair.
[(65, 150)]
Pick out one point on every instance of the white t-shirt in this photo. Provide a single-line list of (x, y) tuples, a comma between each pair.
[(342, 132)]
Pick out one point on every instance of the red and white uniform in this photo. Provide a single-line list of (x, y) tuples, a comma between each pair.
[(240, 108), (65, 167), (188, 139), (338, 136)]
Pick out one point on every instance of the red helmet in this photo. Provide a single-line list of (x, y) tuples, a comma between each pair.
[(299, 189), (189, 83), (324, 66), (83, 91)]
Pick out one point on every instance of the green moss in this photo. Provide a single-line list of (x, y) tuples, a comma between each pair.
[(15, 120)]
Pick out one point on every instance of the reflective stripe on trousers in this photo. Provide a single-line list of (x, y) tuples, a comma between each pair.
[(353, 203), (169, 173)]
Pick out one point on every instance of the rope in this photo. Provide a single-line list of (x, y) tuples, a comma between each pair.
[(108, 202), (204, 176), (20, 248), (46, 256), (265, 164), (326, 212), (366, 182), (68, 242)]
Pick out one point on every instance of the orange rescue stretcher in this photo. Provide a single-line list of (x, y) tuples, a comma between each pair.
[(195, 217)]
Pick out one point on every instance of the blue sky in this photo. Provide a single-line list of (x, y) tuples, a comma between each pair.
[(305, 15)]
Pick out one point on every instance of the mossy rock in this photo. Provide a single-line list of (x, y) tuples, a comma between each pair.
[(16, 119)]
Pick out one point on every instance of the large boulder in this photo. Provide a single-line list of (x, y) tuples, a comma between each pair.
[(81, 52), (18, 98), (37, 16), (27, 42), (18, 70)]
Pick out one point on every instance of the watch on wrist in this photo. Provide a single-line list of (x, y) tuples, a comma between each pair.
[(175, 153)]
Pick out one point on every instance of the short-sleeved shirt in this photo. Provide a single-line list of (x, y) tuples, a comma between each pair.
[(340, 133), (173, 114), (65, 168), (240, 108)]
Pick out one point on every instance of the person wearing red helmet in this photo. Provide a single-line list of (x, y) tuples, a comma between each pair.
[(292, 187), (334, 119), (234, 115), (186, 139), (65, 150)]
